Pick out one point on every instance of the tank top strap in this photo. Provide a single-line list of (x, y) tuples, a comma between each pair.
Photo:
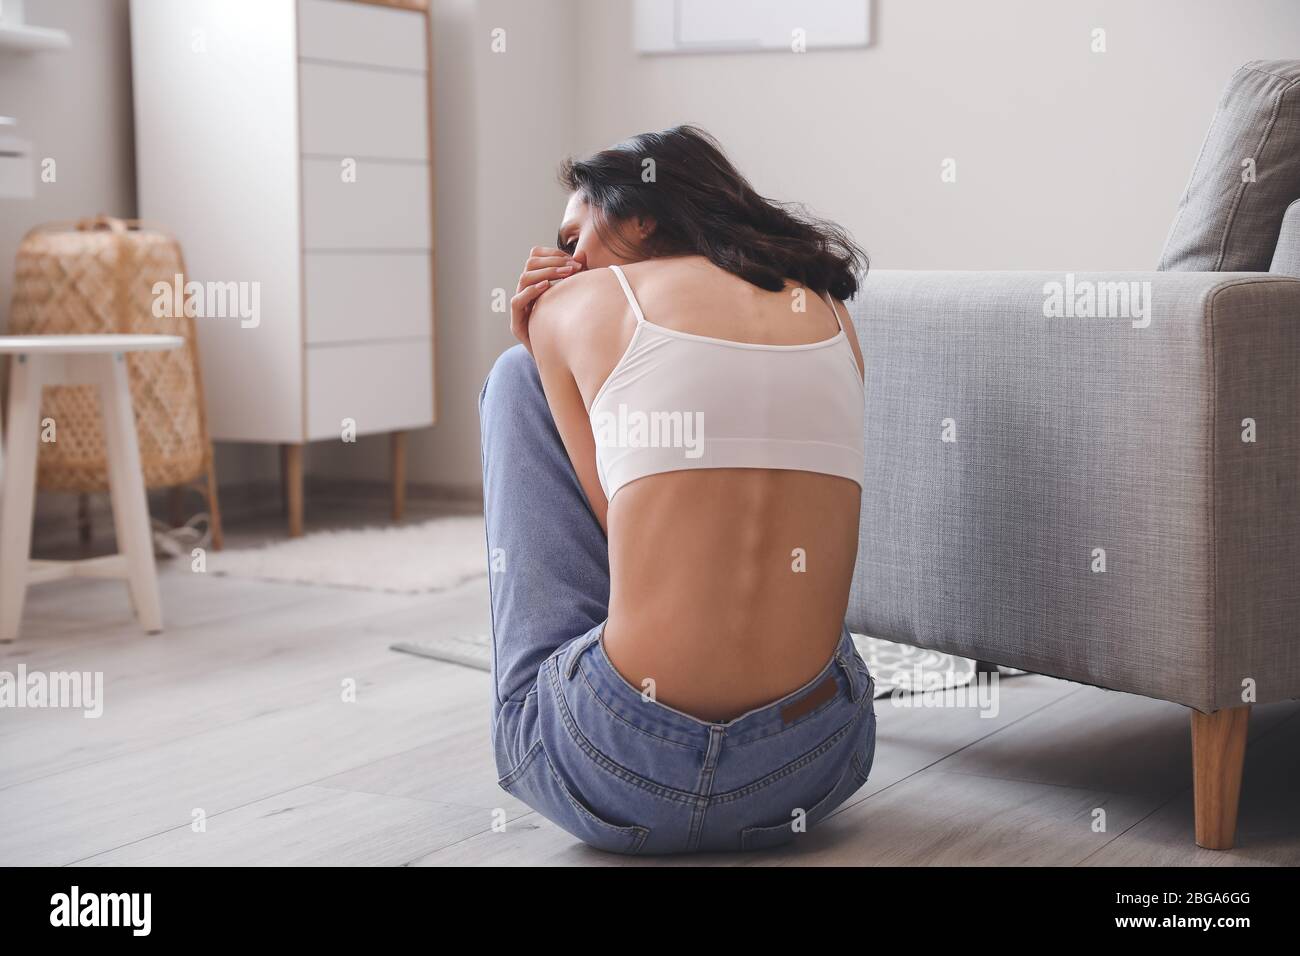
[(627, 291), (831, 302)]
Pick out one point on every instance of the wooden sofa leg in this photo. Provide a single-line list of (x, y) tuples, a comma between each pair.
[(1218, 752)]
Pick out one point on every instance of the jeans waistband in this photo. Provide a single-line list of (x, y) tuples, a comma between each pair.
[(844, 675)]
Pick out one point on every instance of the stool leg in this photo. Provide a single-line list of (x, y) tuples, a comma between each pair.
[(126, 486), (26, 376)]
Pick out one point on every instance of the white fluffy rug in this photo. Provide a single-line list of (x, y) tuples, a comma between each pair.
[(411, 559)]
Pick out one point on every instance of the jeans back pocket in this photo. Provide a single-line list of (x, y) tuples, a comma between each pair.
[(854, 776), (536, 783)]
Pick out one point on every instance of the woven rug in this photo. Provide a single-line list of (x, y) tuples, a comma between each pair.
[(409, 559)]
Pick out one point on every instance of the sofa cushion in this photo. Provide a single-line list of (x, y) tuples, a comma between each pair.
[(1286, 257), (1246, 175)]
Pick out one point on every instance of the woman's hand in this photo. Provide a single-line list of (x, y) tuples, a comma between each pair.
[(545, 267)]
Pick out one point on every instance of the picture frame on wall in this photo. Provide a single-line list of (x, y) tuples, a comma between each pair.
[(750, 26)]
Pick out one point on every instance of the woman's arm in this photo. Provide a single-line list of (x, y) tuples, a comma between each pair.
[(552, 329)]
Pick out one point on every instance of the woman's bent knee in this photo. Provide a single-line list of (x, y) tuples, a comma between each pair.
[(513, 375)]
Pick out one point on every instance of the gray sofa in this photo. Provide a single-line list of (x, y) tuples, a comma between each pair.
[(1097, 476)]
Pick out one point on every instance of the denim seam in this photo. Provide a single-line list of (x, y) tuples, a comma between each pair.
[(795, 765), (521, 703), (717, 741), (487, 541), (619, 717), (857, 769), (505, 782), (532, 692), (604, 762)]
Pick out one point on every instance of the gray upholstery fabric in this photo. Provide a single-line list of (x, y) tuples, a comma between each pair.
[(1256, 347), (1083, 433), (1286, 257), (1225, 224)]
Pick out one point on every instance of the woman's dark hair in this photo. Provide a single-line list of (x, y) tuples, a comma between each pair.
[(702, 205)]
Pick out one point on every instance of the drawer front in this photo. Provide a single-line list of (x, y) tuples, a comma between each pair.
[(382, 386), (368, 296), (345, 31), (347, 111), (387, 207)]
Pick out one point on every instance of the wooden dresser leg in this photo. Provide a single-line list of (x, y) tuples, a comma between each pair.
[(1218, 753), (85, 524), (291, 475), (398, 447), (214, 508), (176, 505)]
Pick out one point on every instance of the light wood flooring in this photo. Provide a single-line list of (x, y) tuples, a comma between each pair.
[(236, 711)]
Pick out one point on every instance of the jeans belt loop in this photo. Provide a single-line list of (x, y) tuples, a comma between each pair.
[(851, 675), (576, 653)]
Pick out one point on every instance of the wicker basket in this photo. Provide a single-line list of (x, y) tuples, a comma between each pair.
[(97, 276)]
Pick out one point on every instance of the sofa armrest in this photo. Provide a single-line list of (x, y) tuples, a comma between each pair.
[(1057, 480)]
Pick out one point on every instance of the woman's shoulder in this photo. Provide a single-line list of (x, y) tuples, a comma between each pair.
[(579, 291), (568, 310)]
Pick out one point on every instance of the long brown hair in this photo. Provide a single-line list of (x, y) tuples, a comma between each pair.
[(702, 205)]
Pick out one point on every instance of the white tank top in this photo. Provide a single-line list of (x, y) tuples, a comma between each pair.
[(678, 401)]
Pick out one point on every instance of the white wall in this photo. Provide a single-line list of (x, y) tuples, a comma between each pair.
[(1065, 158), (74, 107)]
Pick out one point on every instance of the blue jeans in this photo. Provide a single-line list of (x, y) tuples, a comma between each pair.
[(579, 744)]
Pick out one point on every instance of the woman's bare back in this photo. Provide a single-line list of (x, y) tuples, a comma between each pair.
[(728, 587)]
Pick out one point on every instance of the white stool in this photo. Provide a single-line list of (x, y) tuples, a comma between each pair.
[(100, 360)]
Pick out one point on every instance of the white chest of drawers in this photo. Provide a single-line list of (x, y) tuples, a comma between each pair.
[(288, 145)]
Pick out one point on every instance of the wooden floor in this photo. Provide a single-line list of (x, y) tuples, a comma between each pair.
[(237, 711)]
